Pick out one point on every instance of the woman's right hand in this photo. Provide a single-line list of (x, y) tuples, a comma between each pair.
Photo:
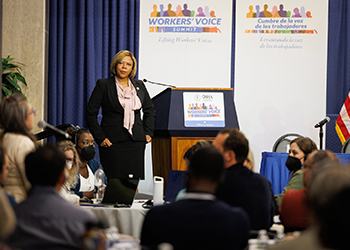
[(89, 194), (106, 143)]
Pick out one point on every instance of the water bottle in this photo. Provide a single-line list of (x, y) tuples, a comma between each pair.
[(261, 242), (263, 239), (280, 236), (99, 185)]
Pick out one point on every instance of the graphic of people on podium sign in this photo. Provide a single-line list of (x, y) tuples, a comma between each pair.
[(204, 109), (196, 106)]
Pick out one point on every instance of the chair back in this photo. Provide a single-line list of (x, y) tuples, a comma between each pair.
[(282, 144)]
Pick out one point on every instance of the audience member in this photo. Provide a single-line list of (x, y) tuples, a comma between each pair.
[(328, 221), (198, 221), (89, 165), (242, 187), (7, 216), (299, 150), (249, 161), (73, 163), (45, 219), (17, 120), (187, 158), (4, 170), (293, 212), (333, 219)]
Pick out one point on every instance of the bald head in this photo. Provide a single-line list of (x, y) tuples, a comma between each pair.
[(313, 161)]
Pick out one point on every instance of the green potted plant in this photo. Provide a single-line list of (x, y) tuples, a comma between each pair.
[(11, 74)]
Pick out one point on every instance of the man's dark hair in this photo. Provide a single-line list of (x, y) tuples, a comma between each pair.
[(334, 220), (206, 163), (237, 142), (78, 133), (201, 144), (45, 165)]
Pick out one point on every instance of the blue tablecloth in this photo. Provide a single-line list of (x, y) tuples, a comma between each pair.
[(274, 169)]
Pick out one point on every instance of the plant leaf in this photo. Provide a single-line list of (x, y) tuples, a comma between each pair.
[(11, 74), (21, 78)]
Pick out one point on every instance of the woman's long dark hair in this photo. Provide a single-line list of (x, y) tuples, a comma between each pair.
[(305, 144)]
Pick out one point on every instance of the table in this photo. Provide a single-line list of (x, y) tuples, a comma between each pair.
[(127, 220), (274, 169)]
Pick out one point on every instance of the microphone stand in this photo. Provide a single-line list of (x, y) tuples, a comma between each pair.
[(321, 136), (161, 84)]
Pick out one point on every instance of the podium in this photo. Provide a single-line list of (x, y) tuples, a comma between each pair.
[(172, 138)]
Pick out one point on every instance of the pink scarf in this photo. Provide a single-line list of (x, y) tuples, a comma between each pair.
[(130, 101)]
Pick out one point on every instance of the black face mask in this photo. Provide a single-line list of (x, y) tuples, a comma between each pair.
[(88, 153), (293, 163)]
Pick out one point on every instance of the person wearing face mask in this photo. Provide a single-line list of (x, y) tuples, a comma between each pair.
[(86, 150), (128, 118), (299, 149), (73, 163)]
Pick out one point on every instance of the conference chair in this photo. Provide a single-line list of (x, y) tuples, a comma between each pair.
[(346, 147), (282, 143)]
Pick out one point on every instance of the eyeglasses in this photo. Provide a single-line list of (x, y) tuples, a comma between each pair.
[(33, 111)]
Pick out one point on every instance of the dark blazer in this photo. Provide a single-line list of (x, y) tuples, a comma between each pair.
[(105, 95), (196, 224), (251, 191)]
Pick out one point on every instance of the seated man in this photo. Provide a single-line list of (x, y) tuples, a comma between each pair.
[(240, 186), (198, 221), (293, 212), (328, 205), (45, 220)]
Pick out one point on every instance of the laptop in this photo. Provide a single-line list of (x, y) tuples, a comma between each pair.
[(120, 192), (176, 182)]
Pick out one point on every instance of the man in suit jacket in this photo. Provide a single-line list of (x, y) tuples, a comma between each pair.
[(240, 186), (198, 221)]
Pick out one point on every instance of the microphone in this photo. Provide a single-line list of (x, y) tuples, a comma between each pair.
[(43, 124), (323, 122), (157, 83)]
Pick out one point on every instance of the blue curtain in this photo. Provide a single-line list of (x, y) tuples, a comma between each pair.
[(85, 35), (338, 70)]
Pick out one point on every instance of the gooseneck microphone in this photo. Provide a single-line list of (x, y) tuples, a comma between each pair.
[(157, 83), (323, 122), (43, 124)]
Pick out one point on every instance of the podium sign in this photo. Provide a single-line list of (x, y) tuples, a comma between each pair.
[(176, 131), (204, 109)]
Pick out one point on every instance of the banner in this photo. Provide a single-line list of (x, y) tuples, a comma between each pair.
[(186, 43), (280, 69)]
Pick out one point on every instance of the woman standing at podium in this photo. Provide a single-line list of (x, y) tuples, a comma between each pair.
[(123, 133)]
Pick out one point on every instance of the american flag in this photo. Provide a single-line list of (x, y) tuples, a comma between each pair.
[(342, 125)]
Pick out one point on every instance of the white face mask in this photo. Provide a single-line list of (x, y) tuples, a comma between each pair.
[(66, 173), (69, 164)]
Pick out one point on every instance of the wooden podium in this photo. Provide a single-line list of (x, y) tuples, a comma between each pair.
[(172, 139)]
